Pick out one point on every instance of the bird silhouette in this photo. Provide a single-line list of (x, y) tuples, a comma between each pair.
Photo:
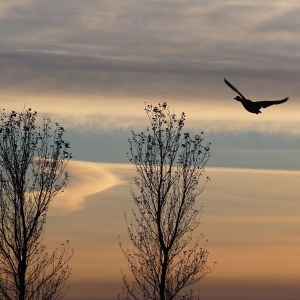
[(253, 107)]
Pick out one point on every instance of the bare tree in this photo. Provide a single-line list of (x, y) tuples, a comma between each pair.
[(169, 164), (32, 162)]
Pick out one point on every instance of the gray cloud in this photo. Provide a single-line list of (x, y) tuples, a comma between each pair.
[(282, 23), (64, 73), (155, 28), (157, 49), (105, 58)]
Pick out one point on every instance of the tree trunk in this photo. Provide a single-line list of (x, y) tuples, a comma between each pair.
[(22, 273), (163, 277)]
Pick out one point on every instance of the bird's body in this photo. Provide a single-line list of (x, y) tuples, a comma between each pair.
[(253, 107)]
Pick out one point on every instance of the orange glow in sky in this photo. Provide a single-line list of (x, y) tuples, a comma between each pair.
[(92, 66)]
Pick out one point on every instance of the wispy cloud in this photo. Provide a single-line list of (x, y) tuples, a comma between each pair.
[(87, 178)]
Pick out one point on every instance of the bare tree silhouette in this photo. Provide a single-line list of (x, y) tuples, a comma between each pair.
[(32, 162), (169, 164)]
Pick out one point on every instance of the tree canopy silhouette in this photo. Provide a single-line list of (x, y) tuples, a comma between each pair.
[(32, 163), (169, 164)]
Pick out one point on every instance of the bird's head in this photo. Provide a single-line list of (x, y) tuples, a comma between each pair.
[(238, 98)]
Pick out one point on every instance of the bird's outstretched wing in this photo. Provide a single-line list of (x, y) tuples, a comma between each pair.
[(235, 89), (265, 104)]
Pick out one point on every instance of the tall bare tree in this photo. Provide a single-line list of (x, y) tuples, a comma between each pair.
[(32, 163), (169, 164)]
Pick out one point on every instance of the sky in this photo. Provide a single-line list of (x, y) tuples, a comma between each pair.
[(92, 65)]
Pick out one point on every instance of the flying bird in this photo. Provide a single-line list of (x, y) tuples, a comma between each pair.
[(253, 107)]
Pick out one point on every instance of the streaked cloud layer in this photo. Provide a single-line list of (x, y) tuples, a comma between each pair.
[(105, 58)]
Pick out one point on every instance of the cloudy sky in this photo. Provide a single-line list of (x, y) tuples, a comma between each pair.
[(92, 64)]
